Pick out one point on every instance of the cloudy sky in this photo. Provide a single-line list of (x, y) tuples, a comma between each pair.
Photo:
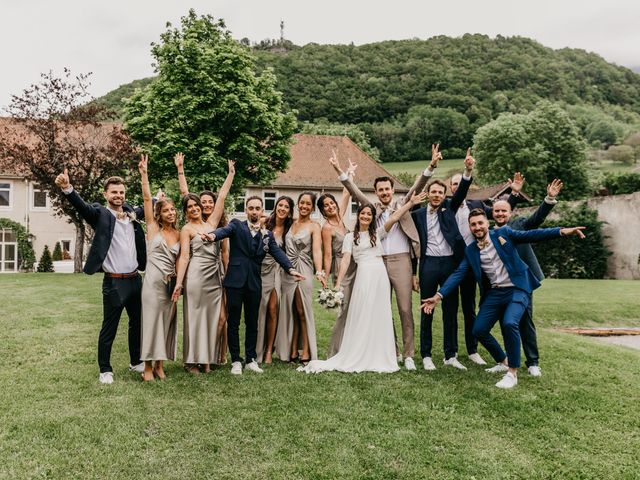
[(111, 38)]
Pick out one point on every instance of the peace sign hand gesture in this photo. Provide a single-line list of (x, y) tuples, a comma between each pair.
[(436, 156)]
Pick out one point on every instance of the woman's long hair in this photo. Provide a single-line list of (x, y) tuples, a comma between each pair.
[(223, 219), (372, 225), (157, 213), (271, 221)]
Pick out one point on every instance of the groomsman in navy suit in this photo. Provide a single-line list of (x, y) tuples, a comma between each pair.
[(441, 250), (468, 285), (505, 283), (118, 249), (249, 244), (502, 214)]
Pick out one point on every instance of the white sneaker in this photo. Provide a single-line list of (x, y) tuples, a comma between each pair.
[(498, 368), (534, 371), (508, 381), (477, 359), (428, 364), (139, 368), (236, 368), (453, 362), (254, 367), (409, 364), (106, 378)]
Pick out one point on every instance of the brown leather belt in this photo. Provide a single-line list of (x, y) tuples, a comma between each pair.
[(121, 275)]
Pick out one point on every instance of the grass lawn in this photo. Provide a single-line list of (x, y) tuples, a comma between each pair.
[(579, 420), (445, 169)]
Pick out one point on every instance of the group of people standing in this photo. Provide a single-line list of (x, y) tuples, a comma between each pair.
[(266, 265)]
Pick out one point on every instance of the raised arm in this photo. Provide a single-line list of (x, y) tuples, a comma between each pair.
[(218, 209), (152, 226), (182, 262), (345, 201), (416, 199), (465, 182), (423, 178), (89, 212), (538, 217), (355, 192), (182, 180)]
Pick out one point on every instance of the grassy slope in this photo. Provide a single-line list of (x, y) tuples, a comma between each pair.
[(445, 169), (579, 421)]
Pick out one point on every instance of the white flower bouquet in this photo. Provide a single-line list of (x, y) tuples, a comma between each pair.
[(330, 298)]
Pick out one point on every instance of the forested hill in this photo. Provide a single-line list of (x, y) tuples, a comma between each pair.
[(473, 78), (370, 83)]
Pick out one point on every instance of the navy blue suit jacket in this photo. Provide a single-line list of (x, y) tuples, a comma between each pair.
[(505, 241), (246, 255), (448, 224), (103, 223), (529, 223)]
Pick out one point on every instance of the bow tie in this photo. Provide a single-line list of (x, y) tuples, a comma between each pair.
[(254, 227), (432, 210), (482, 244)]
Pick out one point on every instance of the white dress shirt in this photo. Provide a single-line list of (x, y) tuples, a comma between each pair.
[(462, 219), (492, 266), (437, 245), (395, 240), (121, 256)]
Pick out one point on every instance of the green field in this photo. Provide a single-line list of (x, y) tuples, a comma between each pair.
[(579, 420), (445, 169)]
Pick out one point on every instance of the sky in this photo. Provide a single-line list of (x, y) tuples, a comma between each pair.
[(112, 38)]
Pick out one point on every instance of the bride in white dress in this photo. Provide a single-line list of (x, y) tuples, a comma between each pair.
[(368, 343)]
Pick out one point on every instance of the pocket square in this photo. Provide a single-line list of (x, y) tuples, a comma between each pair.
[(502, 241)]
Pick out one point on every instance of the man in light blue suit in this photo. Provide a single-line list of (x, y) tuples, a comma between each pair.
[(505, 283)]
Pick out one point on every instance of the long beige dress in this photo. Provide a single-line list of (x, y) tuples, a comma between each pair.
[(202, 302), (270, 274), (347, 284), (159, 325), (298, 248)]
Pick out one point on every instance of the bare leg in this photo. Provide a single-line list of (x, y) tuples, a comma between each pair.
[(147, 376), (158, 370), (222, 333), (294, 335), (299, 307), (272, 325)]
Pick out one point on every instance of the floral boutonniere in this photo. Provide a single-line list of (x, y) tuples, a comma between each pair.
[(502, 241), (265, 239), (443, 209)]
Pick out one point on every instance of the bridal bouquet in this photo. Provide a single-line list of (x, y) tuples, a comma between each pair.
[(330, 298)]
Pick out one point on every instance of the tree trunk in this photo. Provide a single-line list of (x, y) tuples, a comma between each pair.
[(79, 253)]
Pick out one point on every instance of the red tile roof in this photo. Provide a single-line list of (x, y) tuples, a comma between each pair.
[(309, 165)]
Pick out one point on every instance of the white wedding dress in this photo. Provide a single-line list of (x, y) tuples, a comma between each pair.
[(368, 343)]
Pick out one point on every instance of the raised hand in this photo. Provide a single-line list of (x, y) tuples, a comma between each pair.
[(179, 160), (436, 156), (232, 166), (142, 165), (160, 195), (553, 189), (573, 231), (517, 182), (469, 161), (351, 170), (62, 180), (418, 198), (333, 160)]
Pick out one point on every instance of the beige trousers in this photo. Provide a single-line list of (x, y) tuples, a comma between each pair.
[(400, 275)]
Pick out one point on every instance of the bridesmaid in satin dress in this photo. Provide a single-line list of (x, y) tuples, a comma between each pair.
[(279, 223), (159, 322), (296, 324)]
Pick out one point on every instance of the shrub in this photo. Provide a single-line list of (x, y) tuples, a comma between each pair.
[(621, 153), (45, 265), (622, 183), (56, 256), (572, 257)]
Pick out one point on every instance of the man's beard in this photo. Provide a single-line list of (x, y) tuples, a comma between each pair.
[(253, 219)]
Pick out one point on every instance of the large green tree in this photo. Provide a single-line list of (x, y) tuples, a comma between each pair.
[(543, 144), (209, 103)]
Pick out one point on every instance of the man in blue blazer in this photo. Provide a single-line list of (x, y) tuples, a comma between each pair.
[(441, 250), (249, 245), (502, 214), (505, 285), (118, 249), (468, 285)]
